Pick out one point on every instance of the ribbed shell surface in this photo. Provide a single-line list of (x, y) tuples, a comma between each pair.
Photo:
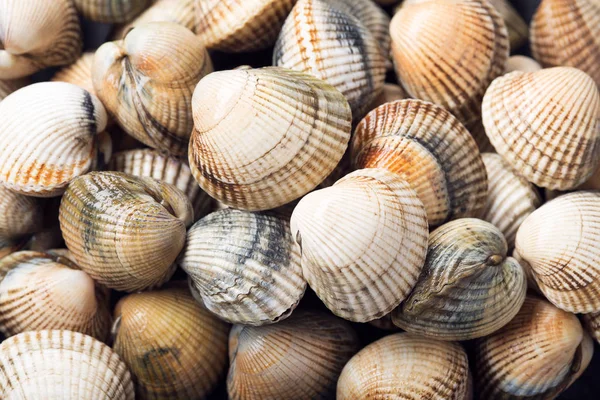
[(79, 73), (592, 325), (19, 215), (518, 31), (111, 11)]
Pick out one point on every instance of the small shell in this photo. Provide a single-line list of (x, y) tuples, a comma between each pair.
[(561, 243), (125, 232), (264, 137), (510, 198), (9, 86), (299, 358), (45, 291), (148, 94), (518, 31), (245, 266), (531, 118), (522, 63), (111, 11), (174, 348), (37, 34), (363, 243), (536, 356), (404, 366), (48, 136), (430, 149), (79, 73), (19, 215), (321, 38)]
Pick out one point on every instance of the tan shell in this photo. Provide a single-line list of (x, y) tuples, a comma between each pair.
[(19, 215), (299, 358), (591, 322), (510, 197), (9, 246), (9, 86), (264, 137), (593, 183), (567, 32), (174, 348), (124, 231), (518, 31), (391, 92), (522, 63), (536, 356), (431, 150), (363, 243), (46, 291), (245, 266), (323, 39), (49, 134), (61, 365), (404, 366), (111, 11), (148, 94), (561, 243), (546, 125), (79, 73)]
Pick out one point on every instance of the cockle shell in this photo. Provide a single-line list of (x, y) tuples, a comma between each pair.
[(49, 134), (561, 243), (124, 231), (430, 149), (79, 73), (245, 266), (518, 31), (148, 94), (363, 243), (19, 215), (299, 358), (265, 137), (9, 86), (536, 356), (9, 246), (45, 290), (405, 366), (323, 39), (592, 325), (174, 348), (111, 11), (61, 365), (522, 63), (390, 93), (546, 125)]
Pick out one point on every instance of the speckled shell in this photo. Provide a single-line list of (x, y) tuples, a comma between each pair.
[(518, 31), (328, 42), (19, 215), (48, 136), (404, 366), (546, 125), (561, 243), (9, 86), (567, 32), (536, 356), (391, 92), (36, 34), (79, 73), (245, 266), (264, 137), (148, 94), (124, 231), (510, 197), (431, 150), (522, 63), (363, 243), (299, 358), (111, 11), (174, 348), (46, 291)]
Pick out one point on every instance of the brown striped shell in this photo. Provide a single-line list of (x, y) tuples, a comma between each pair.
[(79, 73), (174, 348), (391, 92), (45, 290), (522, 63), (49, 134), (560, 241), (124, 231), (9, 86), (264, 137), (430, 149), (536, 356), (111, 11), (299, 358), (149, 95), (245, 266), (518, 31), (19, 215), (546, 125), (405, 366), (363, 243)]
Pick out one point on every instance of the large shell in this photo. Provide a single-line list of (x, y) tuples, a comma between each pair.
[(9, 86), (124, 231), (363, 243), (546, 125), (536, 356), (299, 358), (404, 366), (46, 291), (561, 243), (567, 32), (174, 348), (19, 215), (323, 39), (79, 73), (48, 136), (522, 63), (430, 149), (264, 137), (150, 95), (518, 31), (111, 11), (245, 266)]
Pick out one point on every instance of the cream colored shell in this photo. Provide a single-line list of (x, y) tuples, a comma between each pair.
[(522, 63), (79, 73), (111, 11)]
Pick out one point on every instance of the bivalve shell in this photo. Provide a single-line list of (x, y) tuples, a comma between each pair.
[(79, 73), (9, 246), (19, 215), (390, 93), (522, 63), (592, 324), (518, 31), (111, 11), (9, 86)]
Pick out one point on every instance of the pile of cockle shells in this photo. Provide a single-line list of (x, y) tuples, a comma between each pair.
[(415, 206)]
